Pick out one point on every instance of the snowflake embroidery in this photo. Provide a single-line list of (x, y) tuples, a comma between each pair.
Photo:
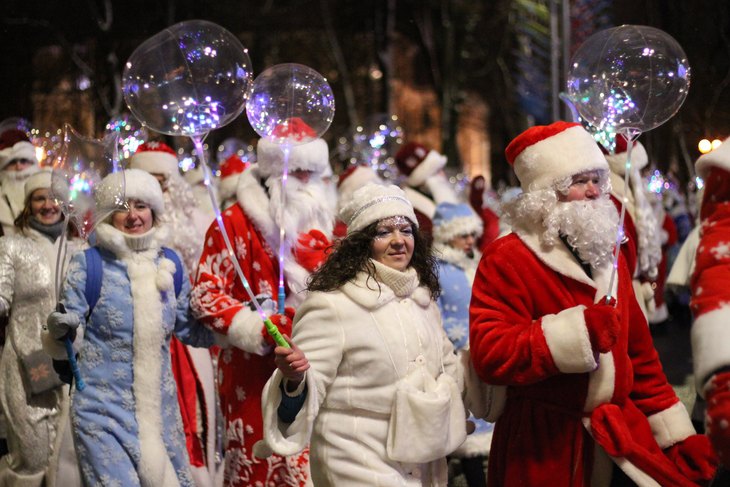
[(240, 394), (241, 249), (39, 373), (721, 251), (256, 266)]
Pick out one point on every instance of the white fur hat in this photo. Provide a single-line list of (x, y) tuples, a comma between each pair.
[(138, 184), (155, 158), (310, 156), (374, 202), (14, 144), (451, 220), (544, 154), (39, 180), (719, 157)]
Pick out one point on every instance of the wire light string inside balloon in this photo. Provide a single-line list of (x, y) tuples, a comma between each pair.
[(630, 135), (270, 327), (282, 231)]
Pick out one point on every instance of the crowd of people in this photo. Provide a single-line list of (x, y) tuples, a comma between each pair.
[(427, 334)]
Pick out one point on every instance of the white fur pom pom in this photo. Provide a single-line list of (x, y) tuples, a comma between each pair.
[(165, 271)]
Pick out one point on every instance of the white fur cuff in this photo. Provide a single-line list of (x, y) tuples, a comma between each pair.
[(710, 338), (432, 164), (671, 425), (567, 338), (245, 332)]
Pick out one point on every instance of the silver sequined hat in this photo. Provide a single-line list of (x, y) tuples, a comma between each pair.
[(374, 202)]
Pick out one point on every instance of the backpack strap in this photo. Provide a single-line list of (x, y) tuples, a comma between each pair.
[(93, 277), (178, 276)]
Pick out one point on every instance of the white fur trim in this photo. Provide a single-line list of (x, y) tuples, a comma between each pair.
[(422, 203), (287, 440), (155, 162), (441, 189), (431, 164), (601, 383), (137, 184), (155, 466), (256, 205), (566, 153), (710, 339), (719, 157), (245, 332), (38, 180), (639, 159), (671, 425), (20, 150), (227, 186), (457, 226), (659, 315), (567, 338), (374, 202), (359, 177), (312, 156)]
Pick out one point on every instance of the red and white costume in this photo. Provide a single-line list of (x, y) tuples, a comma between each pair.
[(569, 410)]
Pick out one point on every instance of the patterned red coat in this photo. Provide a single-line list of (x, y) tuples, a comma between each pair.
[(218, 299), (528, 332)]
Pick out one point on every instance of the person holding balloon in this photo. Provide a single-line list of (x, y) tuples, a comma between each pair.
[(371, 381), (31, 395), (587, 402), (126, 420), (222, 303)]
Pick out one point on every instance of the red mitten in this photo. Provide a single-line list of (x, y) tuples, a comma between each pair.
[(695, 458), (717, 417), (312, 249), (604, 324), (282, 322)]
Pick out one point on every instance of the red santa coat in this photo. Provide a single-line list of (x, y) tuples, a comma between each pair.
[(528, 332), (218, 298)]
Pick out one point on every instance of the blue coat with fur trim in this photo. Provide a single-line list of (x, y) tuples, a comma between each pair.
[(126, 422)]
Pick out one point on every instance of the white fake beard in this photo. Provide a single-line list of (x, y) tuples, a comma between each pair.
[(590, 227), (13, 184), (305, 207)]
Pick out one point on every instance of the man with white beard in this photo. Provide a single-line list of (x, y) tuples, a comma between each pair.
[(221, 302), (17, 162), (587, 402)]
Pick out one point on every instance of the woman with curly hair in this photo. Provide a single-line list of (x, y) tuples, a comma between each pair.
[(371, 381)]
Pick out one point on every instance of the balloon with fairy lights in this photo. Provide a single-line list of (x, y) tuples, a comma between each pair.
[(77, 174), (285, 98), (187, 80), (131, 133), (628, 80), (377, 141)]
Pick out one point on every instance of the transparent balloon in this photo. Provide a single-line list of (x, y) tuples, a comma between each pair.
[(377, 140), (188, 79), (285, 92), (628, 79), (131, 133), (77, 174)]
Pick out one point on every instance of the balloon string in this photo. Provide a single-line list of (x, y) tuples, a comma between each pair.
[(620, 232), (282, 230), (60, 260), (270, 327)]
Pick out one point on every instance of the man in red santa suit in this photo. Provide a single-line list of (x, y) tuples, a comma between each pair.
[(710, 302), (425, 183), (587, 403), (642, 244), (221, 302)]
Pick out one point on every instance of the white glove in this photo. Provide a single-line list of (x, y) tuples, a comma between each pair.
[(61, 324)]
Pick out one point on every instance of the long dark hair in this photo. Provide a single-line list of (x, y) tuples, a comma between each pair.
[(352, 255)]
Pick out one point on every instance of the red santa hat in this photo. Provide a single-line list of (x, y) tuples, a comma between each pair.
[(544, 154), (617, 160), (14, 144), (138, 184), (155, 158), (38, 180), (719, 157), (418, 163), (309, 156), (355, 177), (231, 169)]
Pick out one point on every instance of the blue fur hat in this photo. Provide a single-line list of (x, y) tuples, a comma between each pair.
[(451, 220)]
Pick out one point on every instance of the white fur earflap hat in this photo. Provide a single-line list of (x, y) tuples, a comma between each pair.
[(137, 184), (374, 202), (38, 180)]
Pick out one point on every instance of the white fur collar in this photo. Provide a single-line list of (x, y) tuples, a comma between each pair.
[(619, 190), (456, 257), (255, 203), (560, 259), (113, 240), (364, 291)]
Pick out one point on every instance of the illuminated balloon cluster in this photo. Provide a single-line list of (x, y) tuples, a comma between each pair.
[(231, 146), (131, 133), (285, 92), (189, 79), (77, 174), (377, 141), (628, 79)]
